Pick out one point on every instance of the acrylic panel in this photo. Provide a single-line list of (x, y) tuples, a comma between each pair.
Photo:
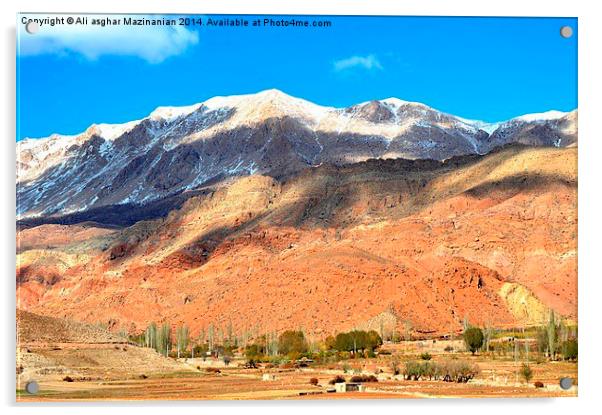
[(295, 207)]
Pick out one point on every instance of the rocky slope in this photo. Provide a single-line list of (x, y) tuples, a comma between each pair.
[(33, 328), (421, 242), (176, 150), (49, 349)]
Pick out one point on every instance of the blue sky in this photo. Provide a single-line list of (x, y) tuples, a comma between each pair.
[(490, 69)]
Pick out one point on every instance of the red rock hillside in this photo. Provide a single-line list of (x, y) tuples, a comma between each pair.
[(423, 244)]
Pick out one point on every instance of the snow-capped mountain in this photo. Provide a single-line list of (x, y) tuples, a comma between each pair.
[(176, 149), (552, 128)]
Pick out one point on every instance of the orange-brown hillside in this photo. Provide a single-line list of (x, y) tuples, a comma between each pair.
[(492, 239), (33, 328)]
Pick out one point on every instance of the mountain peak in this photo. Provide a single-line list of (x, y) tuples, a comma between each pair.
[(269, 132), (274, 102), (397, 102), (273, 93)]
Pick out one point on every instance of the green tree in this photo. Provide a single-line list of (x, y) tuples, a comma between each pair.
[(552, 332), (150, 336), (182, 339), (330, 343), (374, 340), (292, 341), (343, 342), (357, 340), (571, 349), (542, 340), (164, 339), (473, 339)]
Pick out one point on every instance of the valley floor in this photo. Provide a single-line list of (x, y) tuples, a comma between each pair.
[(188, 379)]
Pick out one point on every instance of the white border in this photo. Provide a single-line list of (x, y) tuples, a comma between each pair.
[(590, 178)]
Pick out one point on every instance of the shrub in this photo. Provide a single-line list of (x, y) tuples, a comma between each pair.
[(336, 379), (313, 381), (538, 384), (412, 370), (449, 348), (526, 372), (67, 379), (426, 356), (213, 370), (458, 371), (143, 376), (416, 370), (466, 371), (395, 365), (363, 378), (473, 338), (254, 352), (450, 371)]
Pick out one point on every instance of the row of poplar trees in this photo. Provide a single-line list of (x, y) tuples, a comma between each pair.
[(159, 338)]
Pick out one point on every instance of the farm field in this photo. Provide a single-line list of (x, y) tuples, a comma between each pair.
[(152, 377)]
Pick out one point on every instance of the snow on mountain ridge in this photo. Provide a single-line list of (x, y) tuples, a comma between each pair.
[(286, 103), (172, 113), (541, 116), (180, 148), (111, 131), (488, 127)]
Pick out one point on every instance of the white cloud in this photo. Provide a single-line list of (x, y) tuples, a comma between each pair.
[(154, 44), (368, 62)]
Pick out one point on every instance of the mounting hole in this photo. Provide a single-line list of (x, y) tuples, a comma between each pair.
[(566, 31), (32, 27), (566, 383), (32, 387)]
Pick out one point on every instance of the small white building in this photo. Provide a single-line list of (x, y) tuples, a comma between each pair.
[(349, 387)]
